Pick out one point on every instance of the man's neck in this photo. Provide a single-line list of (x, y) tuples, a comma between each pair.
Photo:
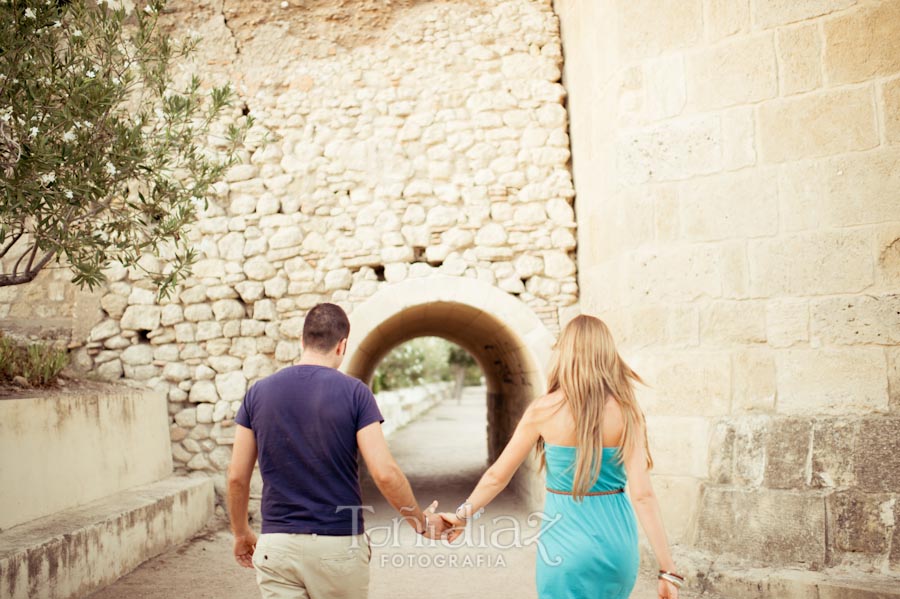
[(313, 359)]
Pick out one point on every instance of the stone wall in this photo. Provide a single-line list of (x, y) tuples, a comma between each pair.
[(406, 140), (737, 165), (402, 406)]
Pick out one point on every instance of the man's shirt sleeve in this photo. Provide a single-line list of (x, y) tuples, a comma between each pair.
[(244, 413), (367, 408)]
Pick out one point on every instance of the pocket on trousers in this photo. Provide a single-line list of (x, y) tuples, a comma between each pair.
[(265, 558)]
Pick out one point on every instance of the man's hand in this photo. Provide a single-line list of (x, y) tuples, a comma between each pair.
[(434, 524), (244, 545), (453, 526)]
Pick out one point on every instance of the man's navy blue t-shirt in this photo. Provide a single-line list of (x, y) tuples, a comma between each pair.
[(305, 420)]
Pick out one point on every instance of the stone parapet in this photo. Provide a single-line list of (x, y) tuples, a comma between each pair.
[(77, 551)]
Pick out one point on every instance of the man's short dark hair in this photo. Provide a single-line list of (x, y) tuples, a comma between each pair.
[(324, 327)]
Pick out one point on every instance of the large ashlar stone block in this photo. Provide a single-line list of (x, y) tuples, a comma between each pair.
[(857, 522), (643, 326), (817, 124), (862, 44), (852, 189), (890, 103), (863, 319), (787, 322), (833, 452), (894, 556), (721, 453), (766, 526), (821, 263), (750, 450), (690, 434), (887, 252), (626, 220), (770, 13), (677, 274), (877, 456), (733, 322), (671, 151), (681, 494), (651, 27), (799, 58), (788, 442), (725, 18), (685, 383), (736, 72), (754, 388), (665, 90), (732, 205), (893, 359), (738, 138), (832, 381)]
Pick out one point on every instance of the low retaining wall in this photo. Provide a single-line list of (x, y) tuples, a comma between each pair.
[(77, 551), (62, 451), (402, 406)]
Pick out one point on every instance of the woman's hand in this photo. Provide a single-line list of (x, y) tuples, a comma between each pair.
[(455, 526), (667, 590)]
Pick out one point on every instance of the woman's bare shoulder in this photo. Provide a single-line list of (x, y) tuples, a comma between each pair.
[(613, 411), (613, 422), (545, 405)]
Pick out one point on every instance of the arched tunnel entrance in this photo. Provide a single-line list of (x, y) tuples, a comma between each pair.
[(509, 342)]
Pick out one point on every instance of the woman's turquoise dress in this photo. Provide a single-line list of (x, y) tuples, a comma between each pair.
[(587, 550)]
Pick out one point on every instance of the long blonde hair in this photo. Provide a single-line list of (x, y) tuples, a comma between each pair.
[(588, 369)]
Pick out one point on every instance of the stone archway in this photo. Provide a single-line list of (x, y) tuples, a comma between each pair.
[(510, 343)]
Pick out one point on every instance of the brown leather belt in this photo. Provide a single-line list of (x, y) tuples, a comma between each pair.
[(613, 492)]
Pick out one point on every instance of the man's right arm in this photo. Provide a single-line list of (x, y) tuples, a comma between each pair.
[(240, 470), (387, 475)]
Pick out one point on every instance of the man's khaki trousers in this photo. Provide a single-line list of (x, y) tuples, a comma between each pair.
[(308, 566)]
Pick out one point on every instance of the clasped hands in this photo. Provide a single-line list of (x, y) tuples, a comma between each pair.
[(444, 525)]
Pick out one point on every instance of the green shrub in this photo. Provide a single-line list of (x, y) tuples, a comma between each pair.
[(425, 360), (38, 363)]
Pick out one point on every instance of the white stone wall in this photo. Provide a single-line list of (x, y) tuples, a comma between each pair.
[(441, 150), (402, 406), (738, 173)]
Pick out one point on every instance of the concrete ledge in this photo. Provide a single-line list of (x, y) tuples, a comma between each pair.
[(64, 449), (719, 578), (77, 551)]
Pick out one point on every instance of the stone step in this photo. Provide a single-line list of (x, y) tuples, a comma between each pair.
[(713, 577), (77, 551)]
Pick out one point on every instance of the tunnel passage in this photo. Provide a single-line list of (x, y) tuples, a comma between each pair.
[(509, 342)]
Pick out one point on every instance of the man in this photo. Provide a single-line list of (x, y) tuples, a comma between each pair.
[(306, 423)]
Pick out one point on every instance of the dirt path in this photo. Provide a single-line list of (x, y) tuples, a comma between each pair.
[(443, 454)]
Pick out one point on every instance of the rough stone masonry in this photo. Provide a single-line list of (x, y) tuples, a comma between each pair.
[(435, 144)]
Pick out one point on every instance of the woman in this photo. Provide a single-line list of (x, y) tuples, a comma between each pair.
[(591, 437)]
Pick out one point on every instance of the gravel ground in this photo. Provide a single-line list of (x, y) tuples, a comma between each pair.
[(443, 454)]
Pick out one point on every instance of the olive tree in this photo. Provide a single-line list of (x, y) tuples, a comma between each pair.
[(105, 151)]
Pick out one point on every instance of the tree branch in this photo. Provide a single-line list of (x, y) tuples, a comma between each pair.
[(8, 246), (27, 276)]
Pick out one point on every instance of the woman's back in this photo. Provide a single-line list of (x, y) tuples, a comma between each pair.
[(557, 426), (588, 548)]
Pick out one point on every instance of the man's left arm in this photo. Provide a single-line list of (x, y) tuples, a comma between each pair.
[(243, 459)]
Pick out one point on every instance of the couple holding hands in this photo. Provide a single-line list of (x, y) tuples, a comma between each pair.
[(307, 424)]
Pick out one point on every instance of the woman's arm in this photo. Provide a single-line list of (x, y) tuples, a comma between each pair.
[(498, 475), (646, 506)]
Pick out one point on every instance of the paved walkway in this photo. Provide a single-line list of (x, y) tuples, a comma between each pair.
[(443, 454)]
